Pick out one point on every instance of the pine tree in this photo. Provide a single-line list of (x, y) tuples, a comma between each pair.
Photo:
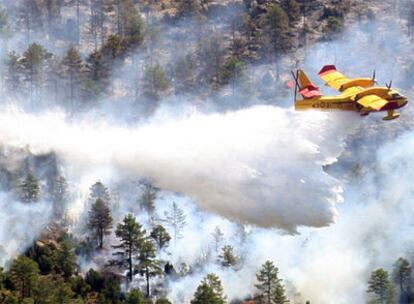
[(65, 259), (277, 31), (59, 195), (13, 77), (135, 296), (188, 7), (175, 218), (218, 237), (148, 265), (380, 286), (211, 54), (130, 24), (53, 289), (30, 18), (148, 198), (98, 190), (29, 189), (100, 221), (72, 74), (333, 26), (270, 287), (98, 74), (184, 73), (155, 81), (33, 66), (210, 291), (232, 71), (53, 14), (227, 257), (160, 236), (292, 8), (402, 277), (24, 274), (132, 236)]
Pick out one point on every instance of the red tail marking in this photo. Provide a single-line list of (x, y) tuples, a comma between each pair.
[(310, 91), (327, 69)]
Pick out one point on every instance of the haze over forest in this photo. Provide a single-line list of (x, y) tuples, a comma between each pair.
[(150, 153)]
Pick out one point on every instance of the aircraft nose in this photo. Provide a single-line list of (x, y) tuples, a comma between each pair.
[(402, 103)]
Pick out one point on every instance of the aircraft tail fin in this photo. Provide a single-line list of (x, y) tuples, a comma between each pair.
[(305, 86)]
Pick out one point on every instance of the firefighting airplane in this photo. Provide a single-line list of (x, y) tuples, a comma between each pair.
[(358, 94)]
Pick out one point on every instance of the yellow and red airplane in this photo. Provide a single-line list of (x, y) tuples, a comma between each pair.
[(358, 94)]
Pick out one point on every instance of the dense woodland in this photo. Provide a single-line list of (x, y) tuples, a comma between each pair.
[(68, 53), (73, 54)]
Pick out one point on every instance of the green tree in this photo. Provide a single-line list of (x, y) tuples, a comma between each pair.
[(66, 259), (184, 73), (59, 195), (131, 235), (148, 266), (161, 237), (227, 257), (380, 286), (13, 67), (114, 48), (402, 277), (29, 189), (210, 291), (175, 218), (72, 74), (188, 7), (210, 56), (333, 26), (29, 18), (99, 190), (129, 22), (155, 81), (148, 197), (162, 301), (269, 285), (218, 237), (98, 75), (79, 286), (95, 280), (232, 71), (33, 65), (11, 299), (100, 221), (24, 273), (53, 290), (135, 296), (292, 8), (276, 23)]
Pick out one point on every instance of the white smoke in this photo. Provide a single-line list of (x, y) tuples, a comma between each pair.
[(20, 224), (261, 165)]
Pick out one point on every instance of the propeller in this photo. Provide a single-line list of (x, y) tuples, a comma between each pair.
[(374, 79), (389, 85), (296, 78)]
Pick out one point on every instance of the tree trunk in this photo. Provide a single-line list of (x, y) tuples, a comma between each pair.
[(130, 263), (147, 277)]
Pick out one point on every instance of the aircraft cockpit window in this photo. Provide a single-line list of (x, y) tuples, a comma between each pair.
[(395, 95)]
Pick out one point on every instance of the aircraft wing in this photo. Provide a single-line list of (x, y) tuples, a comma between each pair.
[(372, 102), (333, 78)]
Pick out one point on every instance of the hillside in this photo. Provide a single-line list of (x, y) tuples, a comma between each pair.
[(150, 153)]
